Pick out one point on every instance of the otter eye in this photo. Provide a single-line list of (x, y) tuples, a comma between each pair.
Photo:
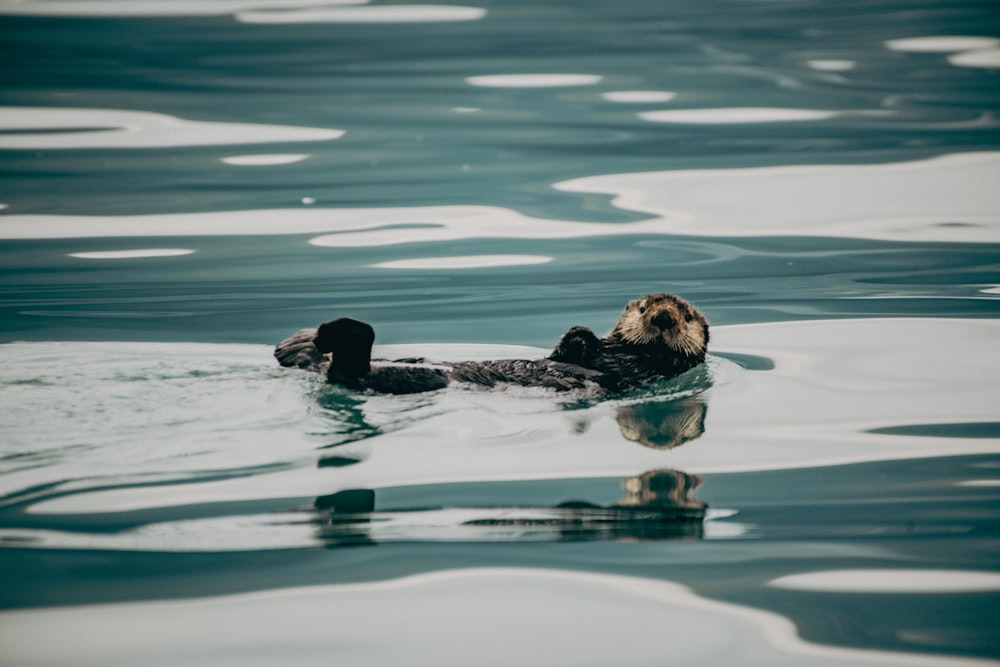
[(642, 309), (688, 317)]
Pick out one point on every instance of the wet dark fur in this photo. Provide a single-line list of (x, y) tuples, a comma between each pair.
[(349, 342), (677, 342), (581, 361)]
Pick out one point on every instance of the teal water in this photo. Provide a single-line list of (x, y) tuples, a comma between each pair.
[(183, 184)]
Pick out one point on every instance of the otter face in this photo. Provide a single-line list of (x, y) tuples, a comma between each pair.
[(663, 319)]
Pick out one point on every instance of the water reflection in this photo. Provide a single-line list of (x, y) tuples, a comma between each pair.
[(373, 14), (42, 128), (663, 425), (655, 505), (951, 198)]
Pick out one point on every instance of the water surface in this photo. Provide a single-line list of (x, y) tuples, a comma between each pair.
[(183, 184)]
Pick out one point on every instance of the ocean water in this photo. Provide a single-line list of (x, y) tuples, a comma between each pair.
[(183, 184)]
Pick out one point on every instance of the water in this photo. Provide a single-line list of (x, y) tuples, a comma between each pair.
[(183, 184)]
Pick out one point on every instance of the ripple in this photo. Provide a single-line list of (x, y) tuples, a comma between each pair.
[(891, 581), (533, 80), (374, 14), (720, 116), (264, 160), (132, 254), (831, 383), (23, 128), (903, 201), (464, 262), (941, 44), (639, 96)]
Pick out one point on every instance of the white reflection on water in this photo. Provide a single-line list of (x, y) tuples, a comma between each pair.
[(731, 115), (986, 58), (264, 160), (831, 65), (941, 43), (639, 96), (353, 227), (140, 253), (111, 412), (153, 8), (23, 128), (373, 14), (464, 262), (947, 198), (966, 51), (533, 80), (491, 616), (891, 581), (951, 198)]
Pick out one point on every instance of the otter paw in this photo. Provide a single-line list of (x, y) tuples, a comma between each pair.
[(579, 346)]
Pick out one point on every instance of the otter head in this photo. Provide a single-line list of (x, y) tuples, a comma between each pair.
[(349, 343), (663, 319)]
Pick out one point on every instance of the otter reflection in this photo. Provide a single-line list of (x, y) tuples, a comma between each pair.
[(656, 505), (662, 424)]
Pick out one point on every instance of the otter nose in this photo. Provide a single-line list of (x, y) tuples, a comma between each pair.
[(663, 320)]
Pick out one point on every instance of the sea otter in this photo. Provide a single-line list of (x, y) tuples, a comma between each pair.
[(657, 336)]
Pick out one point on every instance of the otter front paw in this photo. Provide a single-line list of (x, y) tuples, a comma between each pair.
[(579, 346)]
